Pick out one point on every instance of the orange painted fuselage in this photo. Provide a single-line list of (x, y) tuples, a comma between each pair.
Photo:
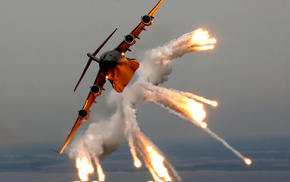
[(118, 69)]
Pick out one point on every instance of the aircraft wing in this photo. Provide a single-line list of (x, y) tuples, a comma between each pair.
[(124, 46), (100, 81)]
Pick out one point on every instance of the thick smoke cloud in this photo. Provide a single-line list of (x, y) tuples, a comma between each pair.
[(103, 138)]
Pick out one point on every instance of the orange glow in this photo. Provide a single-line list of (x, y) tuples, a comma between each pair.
[(201, 40), (100, 173), (158, 170), (196, 110), (185, 104), (214, 103), (137, 162), (149, 149), (248, 161), (153, 159), (203, 124), (85, 168)]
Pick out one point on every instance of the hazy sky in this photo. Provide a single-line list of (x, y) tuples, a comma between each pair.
[(43, 46)]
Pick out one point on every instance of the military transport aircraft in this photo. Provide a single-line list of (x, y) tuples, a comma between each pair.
[(114, 66)]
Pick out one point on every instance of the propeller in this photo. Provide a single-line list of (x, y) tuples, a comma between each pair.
[(93, 58)]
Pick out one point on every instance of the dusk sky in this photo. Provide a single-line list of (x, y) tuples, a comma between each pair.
[(43, 46)]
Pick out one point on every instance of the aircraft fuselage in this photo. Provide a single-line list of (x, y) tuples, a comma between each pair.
[(118, 69), (114, 66)]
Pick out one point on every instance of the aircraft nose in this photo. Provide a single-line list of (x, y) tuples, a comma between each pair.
[(110, 57), (108, 61)]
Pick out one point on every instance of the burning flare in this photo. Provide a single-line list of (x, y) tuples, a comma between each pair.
[(156, 161), (248, 161), (158, 166), (200, 40), (154, 70), (190, 110), (203, 124), (176, 103), (196, 110), (137, 162), (100, 172), (85, 168)]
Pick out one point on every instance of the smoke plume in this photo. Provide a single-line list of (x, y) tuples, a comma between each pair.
[(104, 137)]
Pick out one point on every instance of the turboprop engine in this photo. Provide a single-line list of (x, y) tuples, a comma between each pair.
[(83, 114), (147, 21)]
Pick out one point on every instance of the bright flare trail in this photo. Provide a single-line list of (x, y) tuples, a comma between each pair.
[(155, 66), (100, 172), (175, 103), (200, 41), (199, 98), (215, 136), (103, 138), (159, 167), (184, 108), (85, 168)]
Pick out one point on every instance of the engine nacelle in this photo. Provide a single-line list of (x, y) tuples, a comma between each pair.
[(130, 39), (95, 89), (83, 114), (147, 20)]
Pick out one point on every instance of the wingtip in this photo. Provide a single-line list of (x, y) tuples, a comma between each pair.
[(62, 149), (60, 152)]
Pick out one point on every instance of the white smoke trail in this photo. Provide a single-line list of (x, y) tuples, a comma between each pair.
[(155, 161), (215, 136), (138, 141), (155, 66), (171, 101), (103, 138), (162, 97), (132, 129), (99, 140), (198, 98)]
